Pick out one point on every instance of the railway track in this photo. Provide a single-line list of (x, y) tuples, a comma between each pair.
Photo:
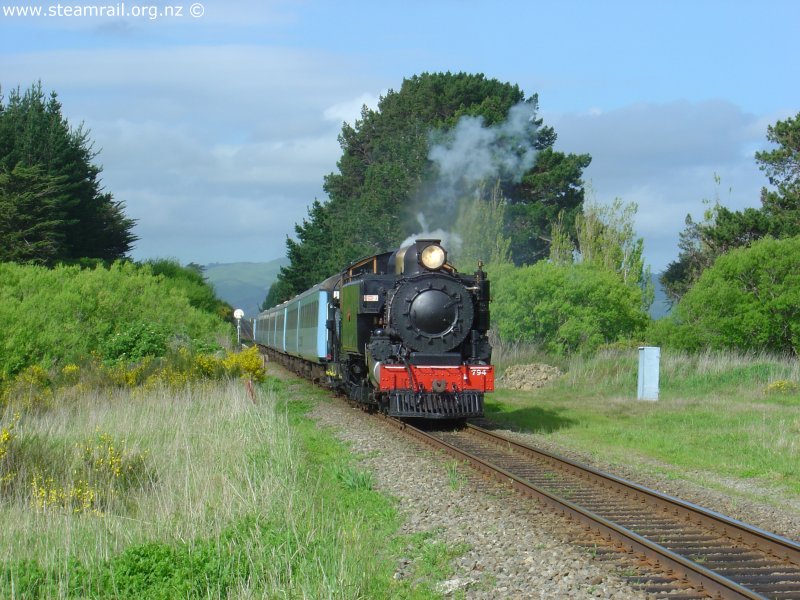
[(697, 552)]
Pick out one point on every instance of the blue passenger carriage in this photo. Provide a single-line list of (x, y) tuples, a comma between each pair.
[(300, 328)]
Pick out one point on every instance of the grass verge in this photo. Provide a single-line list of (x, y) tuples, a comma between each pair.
[(722, 419), (224, 498)]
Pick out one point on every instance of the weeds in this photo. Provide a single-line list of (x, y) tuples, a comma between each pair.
[(355, 479), (782, 386), (454, 477), (7, 443), (34, 388), (195, 493)]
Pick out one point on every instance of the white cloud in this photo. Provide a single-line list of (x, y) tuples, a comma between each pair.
[(350, 110), (290, 161), (217, 150)]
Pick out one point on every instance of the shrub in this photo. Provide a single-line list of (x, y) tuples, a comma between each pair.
[(67, 315), (35, 389), (7, 441), (782, 386), (87, 477), (70, 374), (669, 332), (31, 389), (75, 496), (135, 342), (748, 300), (247, 363), (564, 308), (111, 464), (191, 283)]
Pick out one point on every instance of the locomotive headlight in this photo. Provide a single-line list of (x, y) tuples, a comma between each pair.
[(433, 257)]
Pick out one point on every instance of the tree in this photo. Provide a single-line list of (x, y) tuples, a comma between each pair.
[(38, 144), (308, 260), (565, 308), (782, 167), (32, 216), (554, 186), (748, 300), (480, 226), (701, 243), (385, 175), (278, 293), (562, 248), (606, 240)]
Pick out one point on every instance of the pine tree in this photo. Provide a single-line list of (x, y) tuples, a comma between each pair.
[(32, 216), (723, 230), (38, 144)]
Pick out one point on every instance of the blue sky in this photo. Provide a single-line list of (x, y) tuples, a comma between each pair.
[(217, 130)]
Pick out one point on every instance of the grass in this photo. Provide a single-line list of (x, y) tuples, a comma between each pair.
[(228, 499), (725, 419)]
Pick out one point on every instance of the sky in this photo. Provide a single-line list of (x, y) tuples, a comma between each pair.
[(216, 122)]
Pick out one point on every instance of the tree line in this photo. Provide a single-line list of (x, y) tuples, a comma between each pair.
[(733, 283), (535, 227), (67, 288), (723, 230)]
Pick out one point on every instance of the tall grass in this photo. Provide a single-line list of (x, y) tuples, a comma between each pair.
[(238, 499), (200, 443)]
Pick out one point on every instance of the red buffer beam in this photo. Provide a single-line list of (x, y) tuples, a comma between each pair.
[(462, 378)]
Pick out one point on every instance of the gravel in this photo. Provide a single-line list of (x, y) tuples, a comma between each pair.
[(515, 549), (783, 519), (781, 515)]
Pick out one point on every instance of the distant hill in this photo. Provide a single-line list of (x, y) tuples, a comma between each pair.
[(244, 285)]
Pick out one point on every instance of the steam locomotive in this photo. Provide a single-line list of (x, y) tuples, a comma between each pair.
[(400, 332)]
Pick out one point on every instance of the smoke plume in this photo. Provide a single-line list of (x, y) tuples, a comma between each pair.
[(450, 240), (471, 153), (470, 156)]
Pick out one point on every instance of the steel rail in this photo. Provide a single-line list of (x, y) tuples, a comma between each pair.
[(663, 558), (773, 544)]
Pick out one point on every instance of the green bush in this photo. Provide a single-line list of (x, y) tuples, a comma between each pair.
[(564, 308), (669, 332), (190, 281), (748, 300), (68, 314), (135, 342)]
